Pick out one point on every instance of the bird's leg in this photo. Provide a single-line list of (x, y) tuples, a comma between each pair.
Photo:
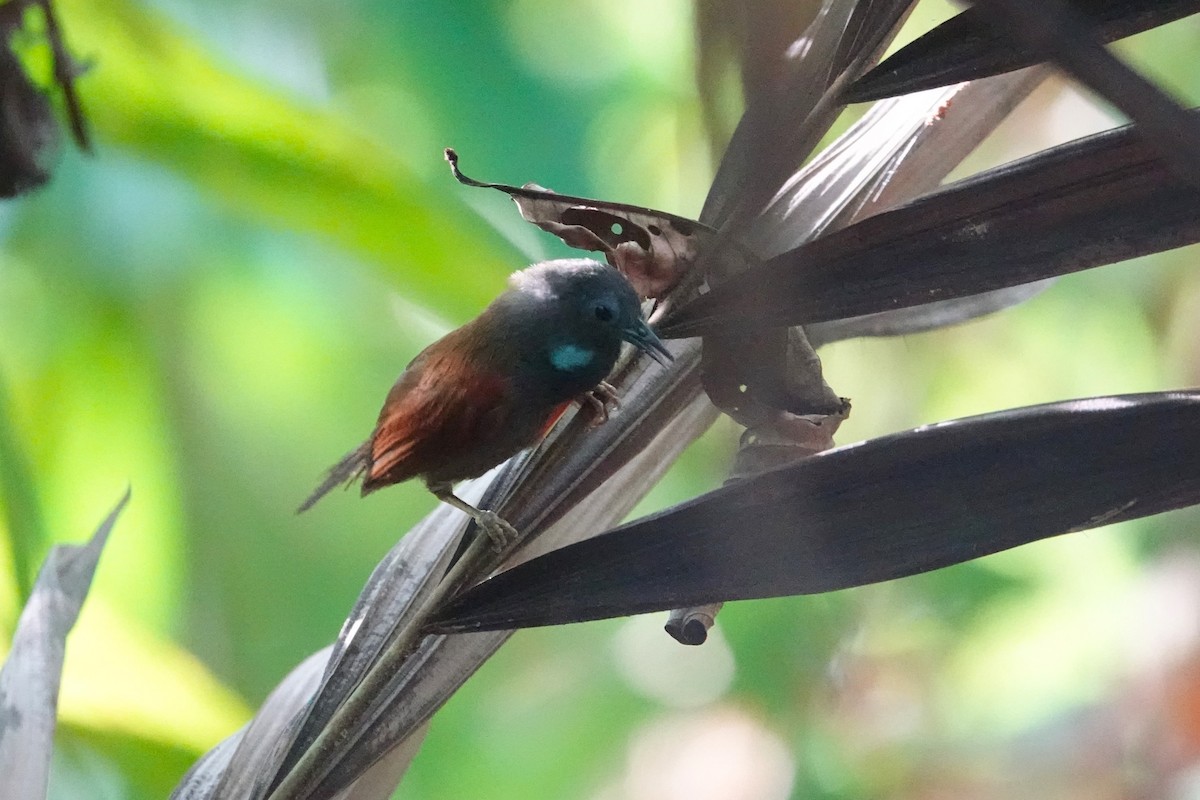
[(598, 400), (496, 528)]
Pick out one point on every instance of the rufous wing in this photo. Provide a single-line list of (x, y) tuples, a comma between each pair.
[(441, 418)]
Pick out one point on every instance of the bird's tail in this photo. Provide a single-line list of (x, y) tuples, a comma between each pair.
[(349, 468)]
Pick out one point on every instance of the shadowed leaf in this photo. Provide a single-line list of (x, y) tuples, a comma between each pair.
[(29, 135), (887, 508), (1099, 200), (762, 377), (748, 37), (234, 768), (927, 317), (245, 764), (30, 678), (65, 72), (781, 129), (390, 597), (898, 149), (966, 48), (1056, 30)]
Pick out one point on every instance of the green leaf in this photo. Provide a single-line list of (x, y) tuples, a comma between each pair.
[(24, 524), (154, 90)]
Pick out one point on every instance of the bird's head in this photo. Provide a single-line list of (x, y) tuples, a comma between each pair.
[(594, 308)]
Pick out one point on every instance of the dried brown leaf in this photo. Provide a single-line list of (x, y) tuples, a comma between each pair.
[(654, 249)]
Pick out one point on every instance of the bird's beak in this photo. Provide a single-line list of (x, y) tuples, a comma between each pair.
[(640, 336)]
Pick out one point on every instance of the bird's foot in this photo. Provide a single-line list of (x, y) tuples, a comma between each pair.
[(599, 400), (497, 529)]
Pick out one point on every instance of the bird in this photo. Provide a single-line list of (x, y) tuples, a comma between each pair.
[(495, 386)]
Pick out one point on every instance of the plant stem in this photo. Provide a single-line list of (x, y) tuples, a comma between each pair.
[(320, 758)]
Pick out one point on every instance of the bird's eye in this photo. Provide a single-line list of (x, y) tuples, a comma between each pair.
[(603, 312)]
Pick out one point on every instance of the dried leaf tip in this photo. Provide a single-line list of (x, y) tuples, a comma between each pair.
[(452, 159), (66, 70)]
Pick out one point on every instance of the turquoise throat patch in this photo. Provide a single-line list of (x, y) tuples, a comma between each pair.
[(570, 357)]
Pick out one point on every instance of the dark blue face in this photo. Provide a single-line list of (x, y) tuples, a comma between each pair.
[(581, 352), (604, 309), (587, 310), (586, 336)]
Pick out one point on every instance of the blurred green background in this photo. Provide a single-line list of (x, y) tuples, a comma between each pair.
[(212, 308)]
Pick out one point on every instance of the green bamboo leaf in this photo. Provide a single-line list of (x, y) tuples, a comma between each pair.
[(154, 90), (23, 520)]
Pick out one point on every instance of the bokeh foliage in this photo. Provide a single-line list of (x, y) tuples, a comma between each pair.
[(214, 305)]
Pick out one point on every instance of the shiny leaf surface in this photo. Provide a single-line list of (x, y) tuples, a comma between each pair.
[(891, 507)]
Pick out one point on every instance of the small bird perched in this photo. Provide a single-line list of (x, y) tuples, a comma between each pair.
[(495, 386)]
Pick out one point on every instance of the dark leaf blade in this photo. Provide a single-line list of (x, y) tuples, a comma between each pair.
[(28, 131), (65, 72), (748, 37), (1096, 201), (1058, 32), (780, 128), (888, 508), (392, 594), (928, 317), (966, 117), (966, 48)]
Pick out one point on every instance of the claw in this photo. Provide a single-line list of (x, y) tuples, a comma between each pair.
[(497, 529), (599, 399)]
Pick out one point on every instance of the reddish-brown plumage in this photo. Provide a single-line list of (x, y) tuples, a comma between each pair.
[(496, 386), (455, 413), (555, 415)]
